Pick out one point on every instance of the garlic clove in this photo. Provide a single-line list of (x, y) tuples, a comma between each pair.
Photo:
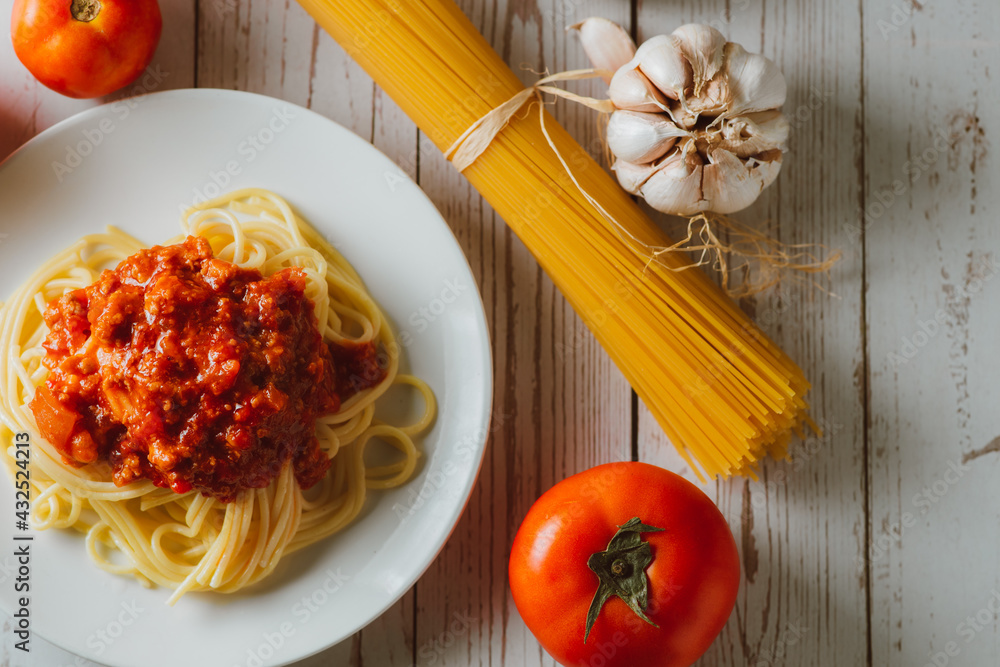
[(633, 176), (607, 45), (768, 163), (641, 137), (731, 184), (674, 187), (713, 99), (704, 47), (664, 64), (754, 133), (652, 43), (683, 117), (630, 89), (755, 82)]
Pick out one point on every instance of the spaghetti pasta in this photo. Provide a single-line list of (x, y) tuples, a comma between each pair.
[(723, 392), (194, 542)]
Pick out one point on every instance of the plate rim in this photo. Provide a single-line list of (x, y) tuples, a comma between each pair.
[(485, 351)]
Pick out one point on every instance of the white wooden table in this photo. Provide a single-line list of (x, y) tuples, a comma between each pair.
[(879, 545)]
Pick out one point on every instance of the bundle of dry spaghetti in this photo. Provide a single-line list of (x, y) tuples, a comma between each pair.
[(722, 391)]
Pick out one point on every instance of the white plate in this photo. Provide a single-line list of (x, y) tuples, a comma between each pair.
[(136, 164)]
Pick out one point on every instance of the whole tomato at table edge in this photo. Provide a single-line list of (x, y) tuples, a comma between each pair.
[(85, 48), (692, 576)]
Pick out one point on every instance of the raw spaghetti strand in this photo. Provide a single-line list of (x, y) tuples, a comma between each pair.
[(190, 542)]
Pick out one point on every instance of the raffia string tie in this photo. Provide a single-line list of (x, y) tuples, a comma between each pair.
[(773, 256), (468, 147), (475, 140)]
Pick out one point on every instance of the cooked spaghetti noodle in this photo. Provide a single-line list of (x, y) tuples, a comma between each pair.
[(193, 541)]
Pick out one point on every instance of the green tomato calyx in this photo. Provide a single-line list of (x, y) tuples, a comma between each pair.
[(621, 569)]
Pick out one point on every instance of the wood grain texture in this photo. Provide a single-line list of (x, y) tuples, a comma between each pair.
[(800, 529), (878, 544), (932, 234)]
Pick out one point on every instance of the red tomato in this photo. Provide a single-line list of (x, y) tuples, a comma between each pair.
[(55, 422), (689, 568), (85, 48)]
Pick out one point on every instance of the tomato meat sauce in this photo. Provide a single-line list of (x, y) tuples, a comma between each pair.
[(194, 373)]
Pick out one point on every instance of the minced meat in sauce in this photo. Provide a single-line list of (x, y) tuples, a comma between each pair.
[(194, 373)]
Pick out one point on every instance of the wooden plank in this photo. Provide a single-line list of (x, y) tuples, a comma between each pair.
[(262, 47), (800, 528), (560, 405), (931, 293)]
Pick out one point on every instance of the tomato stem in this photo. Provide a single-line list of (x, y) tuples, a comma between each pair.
[(85, 10), (621, 569)]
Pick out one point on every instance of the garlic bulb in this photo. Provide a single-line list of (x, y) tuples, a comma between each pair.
[(697, 126)]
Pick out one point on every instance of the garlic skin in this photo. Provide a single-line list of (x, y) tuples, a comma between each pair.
[(750, 134), (606, 44), (703, 49), (676, 183), (698, 126), (732, 184)]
